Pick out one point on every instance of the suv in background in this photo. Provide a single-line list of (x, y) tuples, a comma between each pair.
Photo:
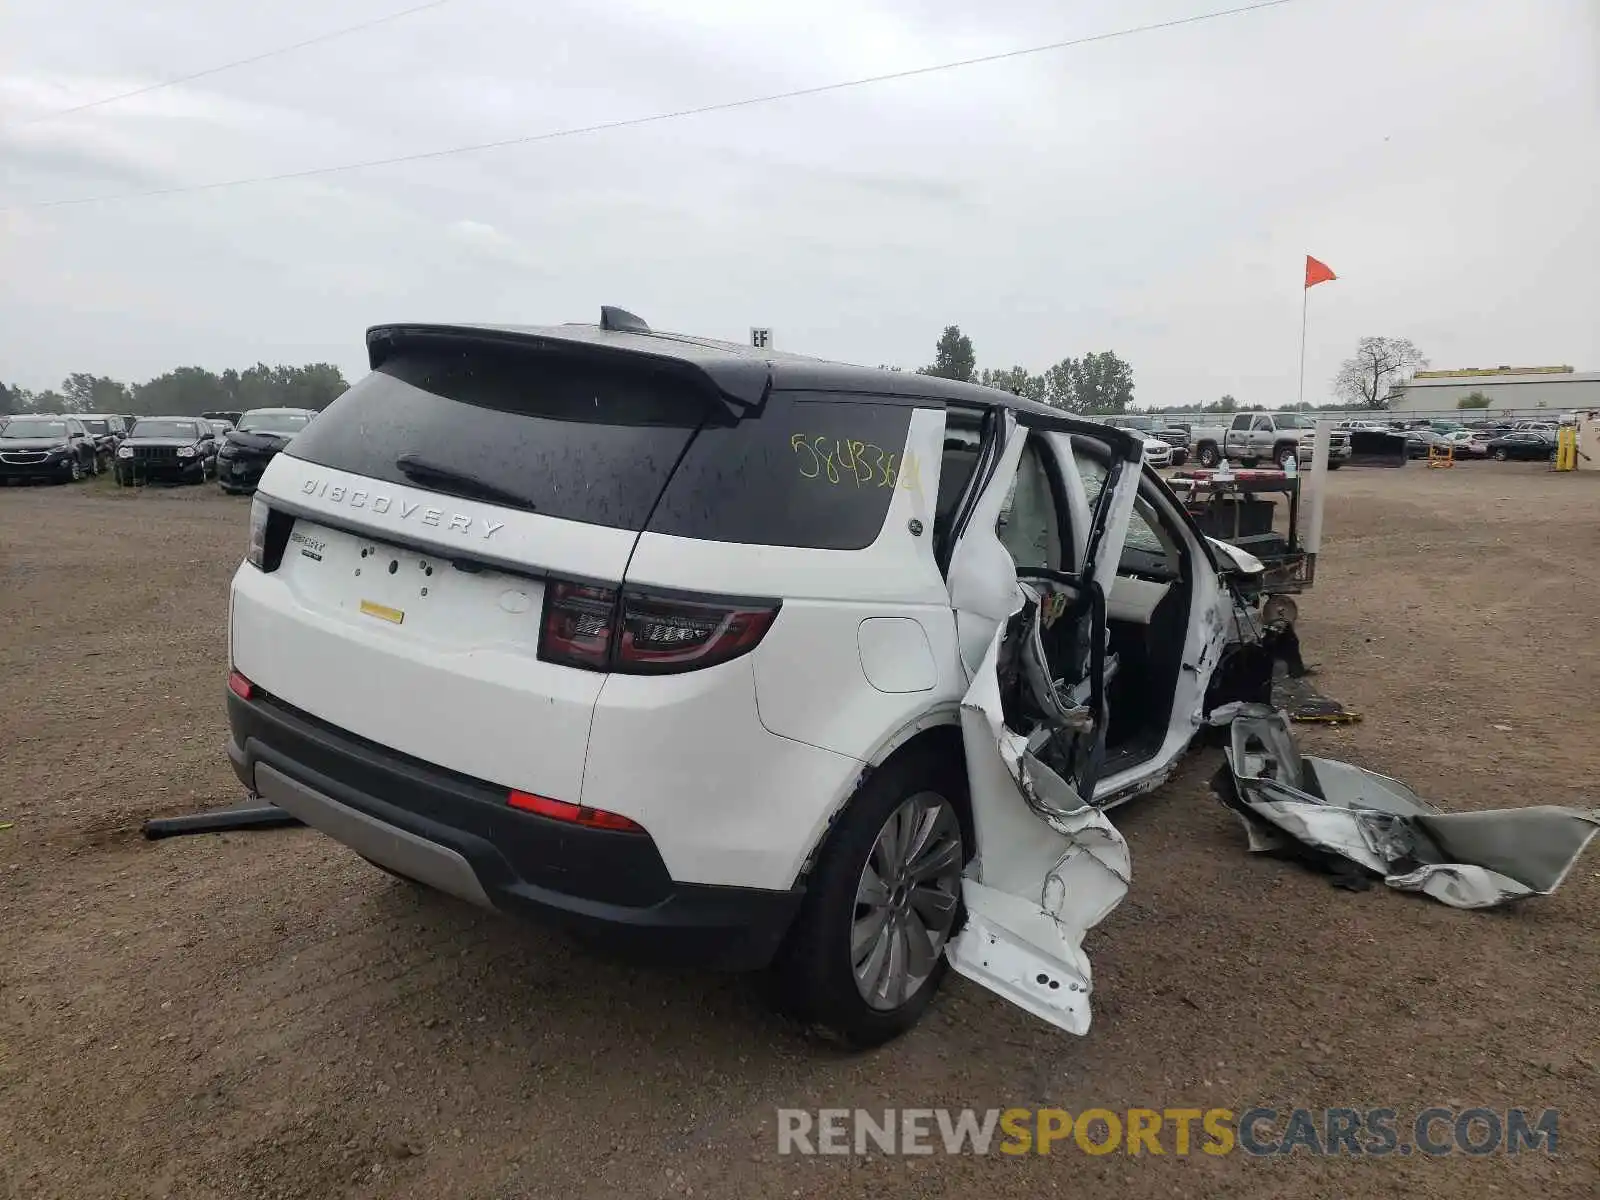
[(58, 448), (259, 435), (728, 656), (170, 449), (108, 430)]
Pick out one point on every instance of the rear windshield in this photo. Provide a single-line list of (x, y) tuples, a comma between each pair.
[(571, 439), (597, 442)]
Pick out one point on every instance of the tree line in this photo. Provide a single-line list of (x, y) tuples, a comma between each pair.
[(1099, 382), (185, 391)]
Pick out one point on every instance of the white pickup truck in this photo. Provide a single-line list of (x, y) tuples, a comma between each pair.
[(1254, 437)]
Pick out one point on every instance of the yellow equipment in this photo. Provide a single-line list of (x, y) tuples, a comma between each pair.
[(1567, 448), (1441, 456)]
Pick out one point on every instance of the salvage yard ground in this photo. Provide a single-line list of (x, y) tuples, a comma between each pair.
[(264, 1015)]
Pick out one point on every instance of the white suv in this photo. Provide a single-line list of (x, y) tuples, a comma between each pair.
[(732, 656)]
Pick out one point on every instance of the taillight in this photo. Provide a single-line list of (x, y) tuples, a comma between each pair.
[(576, 814), (661, 634), (269, 535), (256, 556), (578, 621), (646, 633), (240, 686)]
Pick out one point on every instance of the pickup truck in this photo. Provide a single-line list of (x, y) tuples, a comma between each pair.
[(1250, 438)]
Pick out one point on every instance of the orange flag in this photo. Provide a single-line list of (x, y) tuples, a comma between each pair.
[(1317, 272)]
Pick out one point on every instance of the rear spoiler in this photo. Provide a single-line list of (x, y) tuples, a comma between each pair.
[(741, 383)]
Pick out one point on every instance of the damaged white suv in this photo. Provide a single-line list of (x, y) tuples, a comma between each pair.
[(732, 657)]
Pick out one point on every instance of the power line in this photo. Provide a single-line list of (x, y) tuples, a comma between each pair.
[(227, 66), (655, 118)]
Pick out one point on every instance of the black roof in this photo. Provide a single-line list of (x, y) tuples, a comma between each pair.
[(741, 373)]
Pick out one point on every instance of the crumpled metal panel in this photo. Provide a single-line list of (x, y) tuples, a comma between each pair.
[(1046, 873), (1290, 801)]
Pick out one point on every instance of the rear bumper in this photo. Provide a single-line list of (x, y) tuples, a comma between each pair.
[(458, 834)]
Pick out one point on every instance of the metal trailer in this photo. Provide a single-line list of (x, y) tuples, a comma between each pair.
[(1240, 508)]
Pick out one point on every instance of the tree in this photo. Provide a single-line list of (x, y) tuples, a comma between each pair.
[(1017, 380), (184, 391), (6, 401), (1061, 385), (1105, 383), (94, 393), (1473, 400), (1226, 405), (953, 357), (1379, 362), (1096, 383)]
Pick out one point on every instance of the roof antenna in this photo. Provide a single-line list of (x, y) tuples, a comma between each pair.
[(621, 320)]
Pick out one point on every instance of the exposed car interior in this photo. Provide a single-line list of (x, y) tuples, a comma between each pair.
[(1147, 607)]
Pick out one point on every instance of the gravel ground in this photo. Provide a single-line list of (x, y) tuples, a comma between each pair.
[(262, 1015)]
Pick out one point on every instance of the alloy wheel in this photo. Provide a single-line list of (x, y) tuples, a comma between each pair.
[(906, 900)]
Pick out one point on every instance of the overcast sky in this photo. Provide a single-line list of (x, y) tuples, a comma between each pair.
[(1152, 195)]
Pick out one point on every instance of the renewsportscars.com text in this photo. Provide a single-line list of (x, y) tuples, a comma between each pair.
[(1257, 1132)]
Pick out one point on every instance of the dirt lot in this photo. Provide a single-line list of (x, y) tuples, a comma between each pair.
[(265, 1015)]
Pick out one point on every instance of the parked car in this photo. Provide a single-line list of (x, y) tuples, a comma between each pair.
[(703, 619), (1153, 426), (232, 418), (50, 447), (108, 430), (1525, 444), (174, 449), (1467, 443), (247, 450), (1419, 442), (1157, 453), (220, 427), (1280, 438)]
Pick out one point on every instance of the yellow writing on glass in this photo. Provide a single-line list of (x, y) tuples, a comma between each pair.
[(848, 461)]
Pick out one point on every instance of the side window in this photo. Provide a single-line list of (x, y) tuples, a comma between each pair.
[(1242, 421), (956, 464), (1142, 541), (1262, 424), (1030, 525), (1093, 473)]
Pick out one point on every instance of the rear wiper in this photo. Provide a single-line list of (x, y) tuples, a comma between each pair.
[(421, 470)]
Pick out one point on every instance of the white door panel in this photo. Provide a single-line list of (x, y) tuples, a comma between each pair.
[(1048, 866)]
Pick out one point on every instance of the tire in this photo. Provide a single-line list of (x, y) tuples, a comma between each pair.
[(75, 472), (1287, 455), (1208, 456), (816, 971), (1500, 456)]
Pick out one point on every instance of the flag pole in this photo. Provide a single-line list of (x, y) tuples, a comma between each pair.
[(1305, 301)]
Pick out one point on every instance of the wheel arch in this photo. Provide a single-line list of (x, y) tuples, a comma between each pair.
[(935, 734)]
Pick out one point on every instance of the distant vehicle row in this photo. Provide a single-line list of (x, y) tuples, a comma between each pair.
[(67, 447), (1247, 438)]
